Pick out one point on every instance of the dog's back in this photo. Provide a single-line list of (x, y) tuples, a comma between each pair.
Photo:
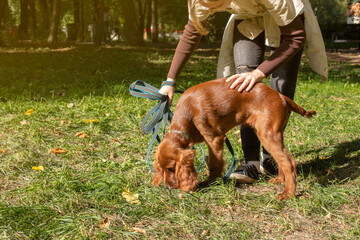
[(215, 104)]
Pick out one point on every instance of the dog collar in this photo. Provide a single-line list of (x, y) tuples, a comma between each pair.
[(184, 134)]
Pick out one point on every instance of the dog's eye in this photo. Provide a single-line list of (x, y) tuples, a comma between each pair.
[(171, 169)]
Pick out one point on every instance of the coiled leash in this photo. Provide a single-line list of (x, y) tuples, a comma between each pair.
[(160, 114)]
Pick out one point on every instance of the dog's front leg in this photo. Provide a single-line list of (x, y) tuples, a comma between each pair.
[(216, 162)]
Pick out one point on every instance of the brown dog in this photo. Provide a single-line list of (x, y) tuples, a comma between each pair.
[(206, 112)]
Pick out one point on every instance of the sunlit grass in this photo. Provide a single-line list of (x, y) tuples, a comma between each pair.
[(82, 187)]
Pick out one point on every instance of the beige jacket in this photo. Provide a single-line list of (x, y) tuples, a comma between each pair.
[(268, 15)]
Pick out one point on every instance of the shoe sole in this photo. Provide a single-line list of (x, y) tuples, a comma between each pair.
[(242, 178)]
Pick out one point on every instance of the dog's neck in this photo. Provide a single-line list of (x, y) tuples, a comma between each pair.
[(186, 136), (182, 137)]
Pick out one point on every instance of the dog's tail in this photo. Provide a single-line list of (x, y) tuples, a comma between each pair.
[(296, 108)]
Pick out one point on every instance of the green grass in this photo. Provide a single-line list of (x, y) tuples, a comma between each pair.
[(82, 187)]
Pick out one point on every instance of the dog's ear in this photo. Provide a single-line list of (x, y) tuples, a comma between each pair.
[(158, 174), (187, 157), (186, 176)]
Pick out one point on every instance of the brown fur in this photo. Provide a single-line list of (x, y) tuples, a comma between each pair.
[(207, 111)]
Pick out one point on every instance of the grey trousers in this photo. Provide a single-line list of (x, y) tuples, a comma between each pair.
[(248, 55)]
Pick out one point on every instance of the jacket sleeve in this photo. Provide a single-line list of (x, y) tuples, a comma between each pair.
[(186, 46), (292, 40)]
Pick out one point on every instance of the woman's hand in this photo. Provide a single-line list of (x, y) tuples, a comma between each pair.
[(247, 80), (168, 90)]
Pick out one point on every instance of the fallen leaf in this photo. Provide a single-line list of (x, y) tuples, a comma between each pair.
[(114, 141), (2, 151), (54, 130), (30, 111), (92, 149), (81, 135), (91, 120), (130, 197), (39, 168), (82, 100), (139, 230), (63, 122), (58, 151), (105, 223), (24, 122)]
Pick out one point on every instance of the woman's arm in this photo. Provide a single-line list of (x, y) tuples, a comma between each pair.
[(186, 46), (293, 39)]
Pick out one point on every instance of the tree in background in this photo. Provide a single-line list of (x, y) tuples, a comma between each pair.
[(330, 14), (133, 33), (42, 20), (3, 7), (44, 12), (54, 24), (99, 21)]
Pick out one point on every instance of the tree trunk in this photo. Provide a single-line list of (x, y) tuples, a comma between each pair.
[(149, 17), (24, 19), (3, 6), (141, 17), (32, 14), (77, 17), (131, 26), (45, 17), (54, 25), (155, 21), (82, 21), (99, 21)]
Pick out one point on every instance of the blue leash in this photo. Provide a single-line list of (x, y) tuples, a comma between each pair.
[(160, 114)]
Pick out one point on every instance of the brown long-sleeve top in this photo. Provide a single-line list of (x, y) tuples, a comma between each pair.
[(293, 39)]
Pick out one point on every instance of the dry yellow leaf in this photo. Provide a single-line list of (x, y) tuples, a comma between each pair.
[(81, 135), (58, 151), (105, 223), (91, 120), (92, 149), (2, 151), (139, 230), (39, 168), (30, 111), (24, 122), (63, 122), (130, 197)]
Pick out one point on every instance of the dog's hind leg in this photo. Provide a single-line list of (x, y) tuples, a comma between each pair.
[(273, 142)]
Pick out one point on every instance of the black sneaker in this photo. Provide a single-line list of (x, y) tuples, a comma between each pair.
[(268, 165), (245, 173)]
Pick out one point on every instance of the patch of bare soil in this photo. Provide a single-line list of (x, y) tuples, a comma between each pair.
[(351, 56)]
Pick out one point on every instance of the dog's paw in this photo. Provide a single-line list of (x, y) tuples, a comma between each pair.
[(277, 180), (284, 196)]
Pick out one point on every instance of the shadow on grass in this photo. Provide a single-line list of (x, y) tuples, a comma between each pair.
[(79, 71), (343, 164)]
